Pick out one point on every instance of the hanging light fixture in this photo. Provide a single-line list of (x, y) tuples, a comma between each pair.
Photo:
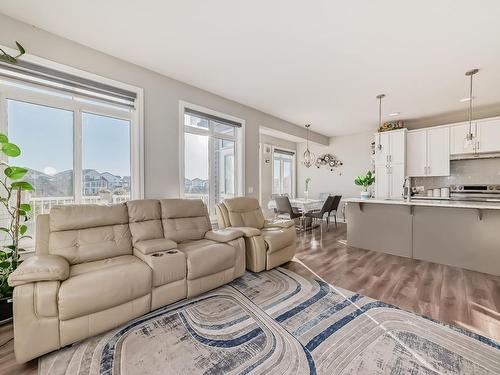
[(470, 136), (380, 97), (309, 157)]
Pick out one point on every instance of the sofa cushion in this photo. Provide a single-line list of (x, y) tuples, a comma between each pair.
[(184, 219), (145, 219), (278, 238), (153, 246), (82, 216), (91, 244), (99, 285), (244, 212), (40, 268), (206, 257)]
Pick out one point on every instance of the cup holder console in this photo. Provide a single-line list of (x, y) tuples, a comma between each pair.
[(160, 254), (157, 255), (172, 252)]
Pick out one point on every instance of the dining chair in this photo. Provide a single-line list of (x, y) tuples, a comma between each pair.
[(320, 214), (273, 198), (334, 208), (284, 207)]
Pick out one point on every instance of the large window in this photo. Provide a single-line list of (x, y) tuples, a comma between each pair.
[(212, 162), (77, 148), (283, 172)]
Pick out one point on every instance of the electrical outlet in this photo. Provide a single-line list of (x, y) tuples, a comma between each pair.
[(250, 189)]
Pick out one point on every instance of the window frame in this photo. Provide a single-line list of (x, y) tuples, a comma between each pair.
[(239, 148), (136, 118), (294, 170)]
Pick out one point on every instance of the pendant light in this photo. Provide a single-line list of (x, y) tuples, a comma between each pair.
[(470, 136), (380, 97), (309, 157)]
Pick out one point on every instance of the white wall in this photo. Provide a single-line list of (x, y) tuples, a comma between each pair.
[(353, 150), (162, 95), (266, 169)]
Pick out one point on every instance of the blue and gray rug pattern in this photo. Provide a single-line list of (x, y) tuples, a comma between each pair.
[(278, 322)]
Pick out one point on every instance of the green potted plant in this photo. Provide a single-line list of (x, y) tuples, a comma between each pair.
[(14, 227), (365, 181)]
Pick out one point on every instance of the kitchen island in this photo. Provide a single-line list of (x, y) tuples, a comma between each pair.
[(457, 233)]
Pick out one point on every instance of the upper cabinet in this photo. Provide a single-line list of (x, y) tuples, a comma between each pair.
[(390, 147), (390, 163), (428, 152), (458, 136), (486, 137), (488, 140)]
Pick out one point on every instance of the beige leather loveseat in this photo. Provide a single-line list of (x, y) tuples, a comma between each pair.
[(269, 243), (97, 267)]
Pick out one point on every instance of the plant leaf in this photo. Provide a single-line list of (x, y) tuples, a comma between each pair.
[(3, 229), (15, 173), (23, 185), (26, 207), (8, 58), (3, 138), (10, 149), (21, 49), (22, 229), (5, 265)]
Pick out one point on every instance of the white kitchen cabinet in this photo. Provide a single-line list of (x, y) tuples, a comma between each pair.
[(458, 142), (486, 137), (488, 140), (438, 151), (382, 189), (397, 146), (381, 148), (390, 160), (396, 180), (416, 153), (428, 152)]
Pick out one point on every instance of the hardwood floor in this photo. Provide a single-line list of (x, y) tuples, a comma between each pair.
[(453, 295), (465, 298)]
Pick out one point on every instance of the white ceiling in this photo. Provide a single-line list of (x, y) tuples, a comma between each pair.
[(313, 61)]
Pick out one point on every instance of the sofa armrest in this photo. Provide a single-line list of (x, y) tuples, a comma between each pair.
[(224, 235), (40, 268), (279, 223), (248, 231), (154, 246)]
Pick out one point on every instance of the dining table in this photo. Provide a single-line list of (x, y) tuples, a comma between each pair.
[(304, 205)]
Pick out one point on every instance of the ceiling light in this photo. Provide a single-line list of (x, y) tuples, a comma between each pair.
[(309, 157), (379, 97), (394, 114), (470, 136)]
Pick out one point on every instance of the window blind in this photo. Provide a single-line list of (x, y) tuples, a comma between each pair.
[(206, 116), (54, 79), (284, 152)]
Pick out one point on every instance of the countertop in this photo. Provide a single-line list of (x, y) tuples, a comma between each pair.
[(429, 203)]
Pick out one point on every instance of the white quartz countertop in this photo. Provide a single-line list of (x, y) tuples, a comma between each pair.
[(429, 203)]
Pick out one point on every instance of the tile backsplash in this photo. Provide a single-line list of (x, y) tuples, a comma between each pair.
[(471, 171)]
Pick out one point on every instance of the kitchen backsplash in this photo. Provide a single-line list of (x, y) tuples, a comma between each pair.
[(471, 171)]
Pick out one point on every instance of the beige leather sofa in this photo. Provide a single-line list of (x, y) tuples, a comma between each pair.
[(97, 267), (269, 243)]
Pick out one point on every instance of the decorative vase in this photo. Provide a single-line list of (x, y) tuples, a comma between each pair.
[(365, 195), (5, 310), (306, 193)]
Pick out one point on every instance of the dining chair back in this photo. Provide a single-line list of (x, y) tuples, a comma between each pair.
[(283, 206)]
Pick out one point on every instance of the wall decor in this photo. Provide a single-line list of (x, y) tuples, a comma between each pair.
[(391, 125), (329, 161)]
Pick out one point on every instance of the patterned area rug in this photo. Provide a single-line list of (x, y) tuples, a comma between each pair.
[(278, 322)]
